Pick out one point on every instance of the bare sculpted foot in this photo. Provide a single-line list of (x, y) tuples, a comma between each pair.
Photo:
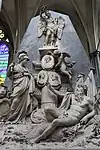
[(38, 139)]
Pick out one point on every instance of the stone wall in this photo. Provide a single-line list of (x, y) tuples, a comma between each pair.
[(69, 43)]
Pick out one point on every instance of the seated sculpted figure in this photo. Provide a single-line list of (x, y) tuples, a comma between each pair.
[(4, 102), (78, 108), (63, 63), (3, 92), (23, 89)]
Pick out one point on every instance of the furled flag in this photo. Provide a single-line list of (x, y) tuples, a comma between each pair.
[(80, 80), (90, 82)]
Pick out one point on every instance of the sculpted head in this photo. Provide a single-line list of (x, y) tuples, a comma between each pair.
[(56, 53), (3, 91), (81, 89), (23, 57), (48, 59), (48, 14), (67, 59), (56, 20)]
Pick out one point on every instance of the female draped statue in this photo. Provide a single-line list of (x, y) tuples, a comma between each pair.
[(23, 89)]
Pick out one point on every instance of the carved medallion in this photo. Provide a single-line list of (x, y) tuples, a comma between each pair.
[(42, 78), (50, 77), (47, 62), (54, 79)]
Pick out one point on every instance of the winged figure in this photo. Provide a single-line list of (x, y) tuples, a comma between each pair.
[(51, 28)]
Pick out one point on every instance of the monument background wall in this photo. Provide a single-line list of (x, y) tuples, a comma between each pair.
[(69, 43)]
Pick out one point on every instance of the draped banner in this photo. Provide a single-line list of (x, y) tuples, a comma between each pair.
[(90, 82), (80, 80)]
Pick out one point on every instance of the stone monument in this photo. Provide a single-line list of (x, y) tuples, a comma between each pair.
[(52, 64), (43, 105)]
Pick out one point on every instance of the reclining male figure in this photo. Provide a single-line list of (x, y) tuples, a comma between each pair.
[(75, 108)]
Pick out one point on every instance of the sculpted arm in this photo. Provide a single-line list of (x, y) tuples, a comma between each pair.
[(66, 102), (90, 114), (10, 69), (55, 91), (91, 109), (60, 61)]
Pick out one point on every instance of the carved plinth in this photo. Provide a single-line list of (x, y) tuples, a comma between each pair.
[(45, 49)]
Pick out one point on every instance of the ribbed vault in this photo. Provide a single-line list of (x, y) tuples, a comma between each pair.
[(84, 15)]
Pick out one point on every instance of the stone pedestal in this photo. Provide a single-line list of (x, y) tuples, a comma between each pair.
[(43, 51)]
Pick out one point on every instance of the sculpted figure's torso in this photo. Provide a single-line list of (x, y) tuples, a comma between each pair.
[(78, 109)]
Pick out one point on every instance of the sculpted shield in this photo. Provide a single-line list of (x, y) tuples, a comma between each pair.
[(42, 78), (54, 79), (51, 77)]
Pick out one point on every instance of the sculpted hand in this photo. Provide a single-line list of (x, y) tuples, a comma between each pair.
[(26, 74), (83, 121), (49, 85), (11, 66), (61, 116), (34, 62), (32, 94)]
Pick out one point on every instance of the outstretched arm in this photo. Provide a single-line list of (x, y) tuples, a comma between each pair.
[(55, 91)]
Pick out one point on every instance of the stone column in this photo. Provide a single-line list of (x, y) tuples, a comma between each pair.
[(95, 61), (0, 4), (21, 18)]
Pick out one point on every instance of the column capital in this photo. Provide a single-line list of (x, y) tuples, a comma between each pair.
[(95, 53)]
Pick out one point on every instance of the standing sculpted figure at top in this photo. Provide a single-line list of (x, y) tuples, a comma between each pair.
[(51, 28), (24, 87), (78, 109)]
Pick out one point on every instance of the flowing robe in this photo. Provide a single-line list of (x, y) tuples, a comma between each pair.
[(21, 96)]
